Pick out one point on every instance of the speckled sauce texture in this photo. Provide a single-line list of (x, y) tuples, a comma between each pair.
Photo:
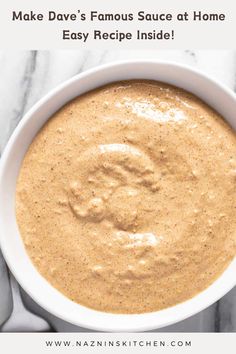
[(126, 199)]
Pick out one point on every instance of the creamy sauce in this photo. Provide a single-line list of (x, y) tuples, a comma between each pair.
[(126, 198)]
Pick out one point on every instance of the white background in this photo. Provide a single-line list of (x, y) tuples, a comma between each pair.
[(47, 35)]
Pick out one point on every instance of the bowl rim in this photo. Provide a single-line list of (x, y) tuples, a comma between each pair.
[(109, 321)]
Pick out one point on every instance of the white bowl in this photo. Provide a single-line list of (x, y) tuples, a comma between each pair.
[(212, 92)]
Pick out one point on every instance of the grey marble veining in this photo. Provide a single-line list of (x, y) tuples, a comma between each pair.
[(26, 76), (5, 292)]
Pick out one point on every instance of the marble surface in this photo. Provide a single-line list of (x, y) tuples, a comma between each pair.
[(25, 76)]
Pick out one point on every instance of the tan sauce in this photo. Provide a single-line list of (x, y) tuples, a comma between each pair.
[(126, 198)]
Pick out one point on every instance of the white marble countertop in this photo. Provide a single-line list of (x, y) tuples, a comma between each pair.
[(25, 76)]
